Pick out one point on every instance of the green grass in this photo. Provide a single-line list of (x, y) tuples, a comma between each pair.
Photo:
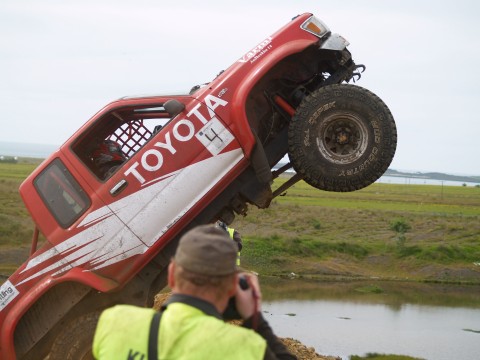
[(385, 229), (16, 227), (409, 225), (18, 171), (375, 356), (370, 289)]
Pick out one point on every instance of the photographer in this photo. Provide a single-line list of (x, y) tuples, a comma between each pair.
[(203, 277)]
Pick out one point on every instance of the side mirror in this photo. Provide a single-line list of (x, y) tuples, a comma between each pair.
[(173, 107)]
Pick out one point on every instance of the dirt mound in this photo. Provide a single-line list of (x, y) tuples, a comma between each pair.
[(304, 352)]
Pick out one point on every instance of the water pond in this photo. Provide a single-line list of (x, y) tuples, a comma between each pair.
[(429, 321)]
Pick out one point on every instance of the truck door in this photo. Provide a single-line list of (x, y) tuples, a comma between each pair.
[(80, 230), (175, 164)]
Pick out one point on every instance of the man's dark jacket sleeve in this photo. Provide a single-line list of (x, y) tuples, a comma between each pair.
[(275, 348)]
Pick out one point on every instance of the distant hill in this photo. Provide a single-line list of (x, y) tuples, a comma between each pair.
[(433, 176), (40, 151), (10, 150)]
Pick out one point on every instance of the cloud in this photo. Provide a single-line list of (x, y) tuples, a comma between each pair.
[(62, 61)]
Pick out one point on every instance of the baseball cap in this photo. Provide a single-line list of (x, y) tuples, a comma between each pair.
[(207, 250)]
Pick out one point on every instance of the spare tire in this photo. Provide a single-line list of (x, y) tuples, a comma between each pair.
[(341, 138)]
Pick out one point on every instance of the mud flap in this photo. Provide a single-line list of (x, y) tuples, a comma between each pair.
[(260, 163)]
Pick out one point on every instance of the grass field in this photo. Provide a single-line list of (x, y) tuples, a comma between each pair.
[(15, 225), (387, 230), (383, 230)]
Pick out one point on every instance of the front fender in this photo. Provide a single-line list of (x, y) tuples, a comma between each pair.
[(251, 78), (81, 283)]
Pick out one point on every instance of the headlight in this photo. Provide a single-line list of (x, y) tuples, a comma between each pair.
[(315, 27)]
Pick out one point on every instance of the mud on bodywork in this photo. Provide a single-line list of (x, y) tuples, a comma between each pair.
[(189, 159)]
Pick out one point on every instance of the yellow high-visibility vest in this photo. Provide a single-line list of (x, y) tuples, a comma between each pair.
[(230, 232), (185, 333)]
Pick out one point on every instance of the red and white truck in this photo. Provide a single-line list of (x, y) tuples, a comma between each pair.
[(176, 161)]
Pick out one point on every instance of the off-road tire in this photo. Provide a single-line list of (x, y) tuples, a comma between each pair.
[(341, 138), (75, 343)]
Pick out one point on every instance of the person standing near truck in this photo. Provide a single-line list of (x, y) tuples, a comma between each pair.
[(203, 277), (234, 235)]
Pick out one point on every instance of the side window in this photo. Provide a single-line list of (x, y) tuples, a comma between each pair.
[(117, 136), (61, 193)]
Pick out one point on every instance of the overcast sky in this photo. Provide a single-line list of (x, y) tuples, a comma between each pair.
[(61, 61)]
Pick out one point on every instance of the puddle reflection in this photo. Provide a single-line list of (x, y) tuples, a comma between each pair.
[(429, 321)]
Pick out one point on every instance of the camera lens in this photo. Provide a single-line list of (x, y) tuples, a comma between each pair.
[(243, 283)]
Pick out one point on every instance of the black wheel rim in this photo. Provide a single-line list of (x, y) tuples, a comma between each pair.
[(342, 138)]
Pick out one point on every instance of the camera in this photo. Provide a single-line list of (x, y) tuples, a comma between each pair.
[(243, 283), (231, 312)]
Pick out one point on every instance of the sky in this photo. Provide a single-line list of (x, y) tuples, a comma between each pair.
[(61, 61)]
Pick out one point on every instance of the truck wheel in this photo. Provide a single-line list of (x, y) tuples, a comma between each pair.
[(75, 342), (341, 138)]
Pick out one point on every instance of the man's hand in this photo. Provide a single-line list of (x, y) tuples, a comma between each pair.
[(248, 301)]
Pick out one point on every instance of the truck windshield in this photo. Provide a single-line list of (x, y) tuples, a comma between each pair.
[(61, 193)]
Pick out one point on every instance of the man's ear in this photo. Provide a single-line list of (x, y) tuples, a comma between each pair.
[(171, 277), (233, 288)]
